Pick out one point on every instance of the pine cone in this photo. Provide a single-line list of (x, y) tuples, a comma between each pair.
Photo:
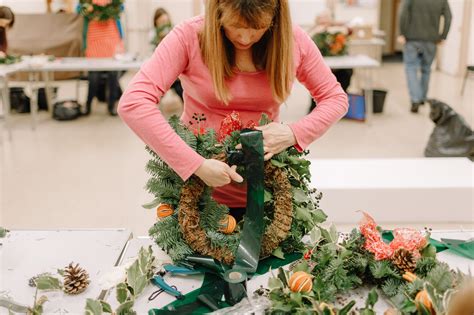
[(76, 279), (404, 260)]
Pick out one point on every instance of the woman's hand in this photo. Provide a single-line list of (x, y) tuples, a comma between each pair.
[(276, 138), (216, 173)]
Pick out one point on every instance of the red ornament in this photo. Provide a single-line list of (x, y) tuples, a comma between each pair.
[(229, 124)]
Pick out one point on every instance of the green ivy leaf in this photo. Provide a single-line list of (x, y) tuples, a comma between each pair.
[(302, 266), (372, 298), (303, 214), (278, 163), (93, 307), (315, 236), (152, 204), (274, 283), (122, 292), (319, 216), (106, 307), (299, 195), (267, 196), (125, 308), (47, 283), (278, 252)]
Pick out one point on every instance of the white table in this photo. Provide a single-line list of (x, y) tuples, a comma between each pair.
[(26, 253), (40, 66), (5, 71), (187, 284), (361, 62)]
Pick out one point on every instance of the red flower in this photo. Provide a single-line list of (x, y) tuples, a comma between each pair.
[(229, 124)]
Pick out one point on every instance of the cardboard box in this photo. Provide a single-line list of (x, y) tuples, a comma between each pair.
[(362, 32)]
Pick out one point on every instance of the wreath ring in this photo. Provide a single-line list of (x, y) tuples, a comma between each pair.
[(276, 231)]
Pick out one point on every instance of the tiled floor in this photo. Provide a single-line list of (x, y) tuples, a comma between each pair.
[(89, 173)]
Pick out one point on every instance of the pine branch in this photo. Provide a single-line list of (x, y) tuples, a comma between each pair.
[(440, 277), (392, 287), (382, 269), (424, 266)]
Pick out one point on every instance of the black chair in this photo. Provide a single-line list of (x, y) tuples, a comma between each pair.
[(468, 70)]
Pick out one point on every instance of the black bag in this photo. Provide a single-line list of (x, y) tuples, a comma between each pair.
[(21, 103), (452, 136), (66, 110)]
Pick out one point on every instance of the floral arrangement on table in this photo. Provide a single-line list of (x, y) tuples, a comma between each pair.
[(331, 43), (102, 10), (405, 271), (8, 59), (190, 221)]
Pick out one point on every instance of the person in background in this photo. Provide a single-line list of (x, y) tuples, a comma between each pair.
[(162, 26), (103, 40), (323, 22), (420, 33), (241, 56), (7, 19)]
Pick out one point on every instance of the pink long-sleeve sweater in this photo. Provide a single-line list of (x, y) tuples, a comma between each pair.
[(179, 55)]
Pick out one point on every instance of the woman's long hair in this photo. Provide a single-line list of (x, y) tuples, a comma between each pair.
[(273, 53), (7, 14)]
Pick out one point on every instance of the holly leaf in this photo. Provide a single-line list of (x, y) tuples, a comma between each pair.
[(278, 252), (333, 234), (93, 307), (372, 298), (302, 266), (152, 204), (136, 279), (303, 214), (47, 283)]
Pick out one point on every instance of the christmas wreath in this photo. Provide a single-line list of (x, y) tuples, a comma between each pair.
[(101, 12), (331, 43), (190, 221)]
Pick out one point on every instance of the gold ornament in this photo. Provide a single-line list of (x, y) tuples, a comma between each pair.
[(301, 281), (76, 279), (164, 210), (228, 225)]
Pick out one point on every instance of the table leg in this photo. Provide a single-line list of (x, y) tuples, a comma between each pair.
[(369, 96), (33, 81), (48, 89), (6, 107)]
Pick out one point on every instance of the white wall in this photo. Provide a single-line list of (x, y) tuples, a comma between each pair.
[(470, 58), (450, 51)]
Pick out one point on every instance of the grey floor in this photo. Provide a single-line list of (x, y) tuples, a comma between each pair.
[(89, 173)]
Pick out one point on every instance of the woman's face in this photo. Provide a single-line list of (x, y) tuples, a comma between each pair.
[(241, 35), (162, 20)]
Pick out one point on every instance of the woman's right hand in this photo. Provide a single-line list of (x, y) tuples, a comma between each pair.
[(216, 173)]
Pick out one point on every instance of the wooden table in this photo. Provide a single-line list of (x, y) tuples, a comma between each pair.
[(26, 253)]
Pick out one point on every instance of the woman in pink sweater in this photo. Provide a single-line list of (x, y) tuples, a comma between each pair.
[(241, 56)]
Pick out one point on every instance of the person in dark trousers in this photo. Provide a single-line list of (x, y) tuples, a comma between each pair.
[(420, 33)]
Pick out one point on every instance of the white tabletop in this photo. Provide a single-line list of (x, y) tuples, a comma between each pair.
[(366, 42), (25, 254), (186, 284), (83, 64), (351, 61), (8, 69)]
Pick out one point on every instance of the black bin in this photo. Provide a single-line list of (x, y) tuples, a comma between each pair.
[(378, 97)]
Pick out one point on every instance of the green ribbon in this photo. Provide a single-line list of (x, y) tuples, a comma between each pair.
[(247, 257)]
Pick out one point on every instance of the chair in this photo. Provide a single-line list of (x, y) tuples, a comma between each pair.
[(468, 70)]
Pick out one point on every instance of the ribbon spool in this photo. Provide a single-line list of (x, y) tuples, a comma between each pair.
[(235, 288)]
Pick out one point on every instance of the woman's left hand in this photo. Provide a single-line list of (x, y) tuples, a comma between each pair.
[(276, 138)]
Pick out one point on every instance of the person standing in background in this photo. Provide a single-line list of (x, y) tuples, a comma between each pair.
[(7, 19), (420, 33), (103, 39)]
